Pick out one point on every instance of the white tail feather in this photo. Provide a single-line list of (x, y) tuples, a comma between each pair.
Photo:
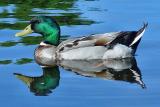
[(137, 38)]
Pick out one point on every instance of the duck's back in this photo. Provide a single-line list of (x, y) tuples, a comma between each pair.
[(92, 40), (91, 47)]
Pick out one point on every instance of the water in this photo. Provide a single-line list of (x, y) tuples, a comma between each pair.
[(79, 18)]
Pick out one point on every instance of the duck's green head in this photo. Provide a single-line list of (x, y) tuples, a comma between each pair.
[(44, 25)]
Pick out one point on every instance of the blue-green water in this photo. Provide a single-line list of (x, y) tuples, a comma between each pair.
[(78, 18)]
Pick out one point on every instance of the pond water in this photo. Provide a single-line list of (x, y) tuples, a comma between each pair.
[(21, 77)]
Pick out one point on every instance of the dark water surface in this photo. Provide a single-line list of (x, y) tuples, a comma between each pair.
[(21, 77)]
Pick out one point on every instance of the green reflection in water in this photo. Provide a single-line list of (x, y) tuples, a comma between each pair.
[(5, 62), (18, 61), (8, 44), (26, 9), (56, 4), (15, 26), (28, 40), (4, 13), (65, 19), (31, 40), (24, 61)]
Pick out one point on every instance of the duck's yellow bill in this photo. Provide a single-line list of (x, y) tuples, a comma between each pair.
[(26, 31)]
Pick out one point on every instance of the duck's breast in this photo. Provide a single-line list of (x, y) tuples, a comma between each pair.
[(45, 55)]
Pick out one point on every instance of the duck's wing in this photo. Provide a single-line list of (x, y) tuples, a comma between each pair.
[(128, 38), (92, 40)]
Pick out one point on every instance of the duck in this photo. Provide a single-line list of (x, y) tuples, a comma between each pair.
[(112, 45)]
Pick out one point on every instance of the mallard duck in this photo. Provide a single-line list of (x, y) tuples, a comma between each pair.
[(97, 46)]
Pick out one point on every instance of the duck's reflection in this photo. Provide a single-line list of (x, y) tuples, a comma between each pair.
[(42, 85), (122, 70)]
